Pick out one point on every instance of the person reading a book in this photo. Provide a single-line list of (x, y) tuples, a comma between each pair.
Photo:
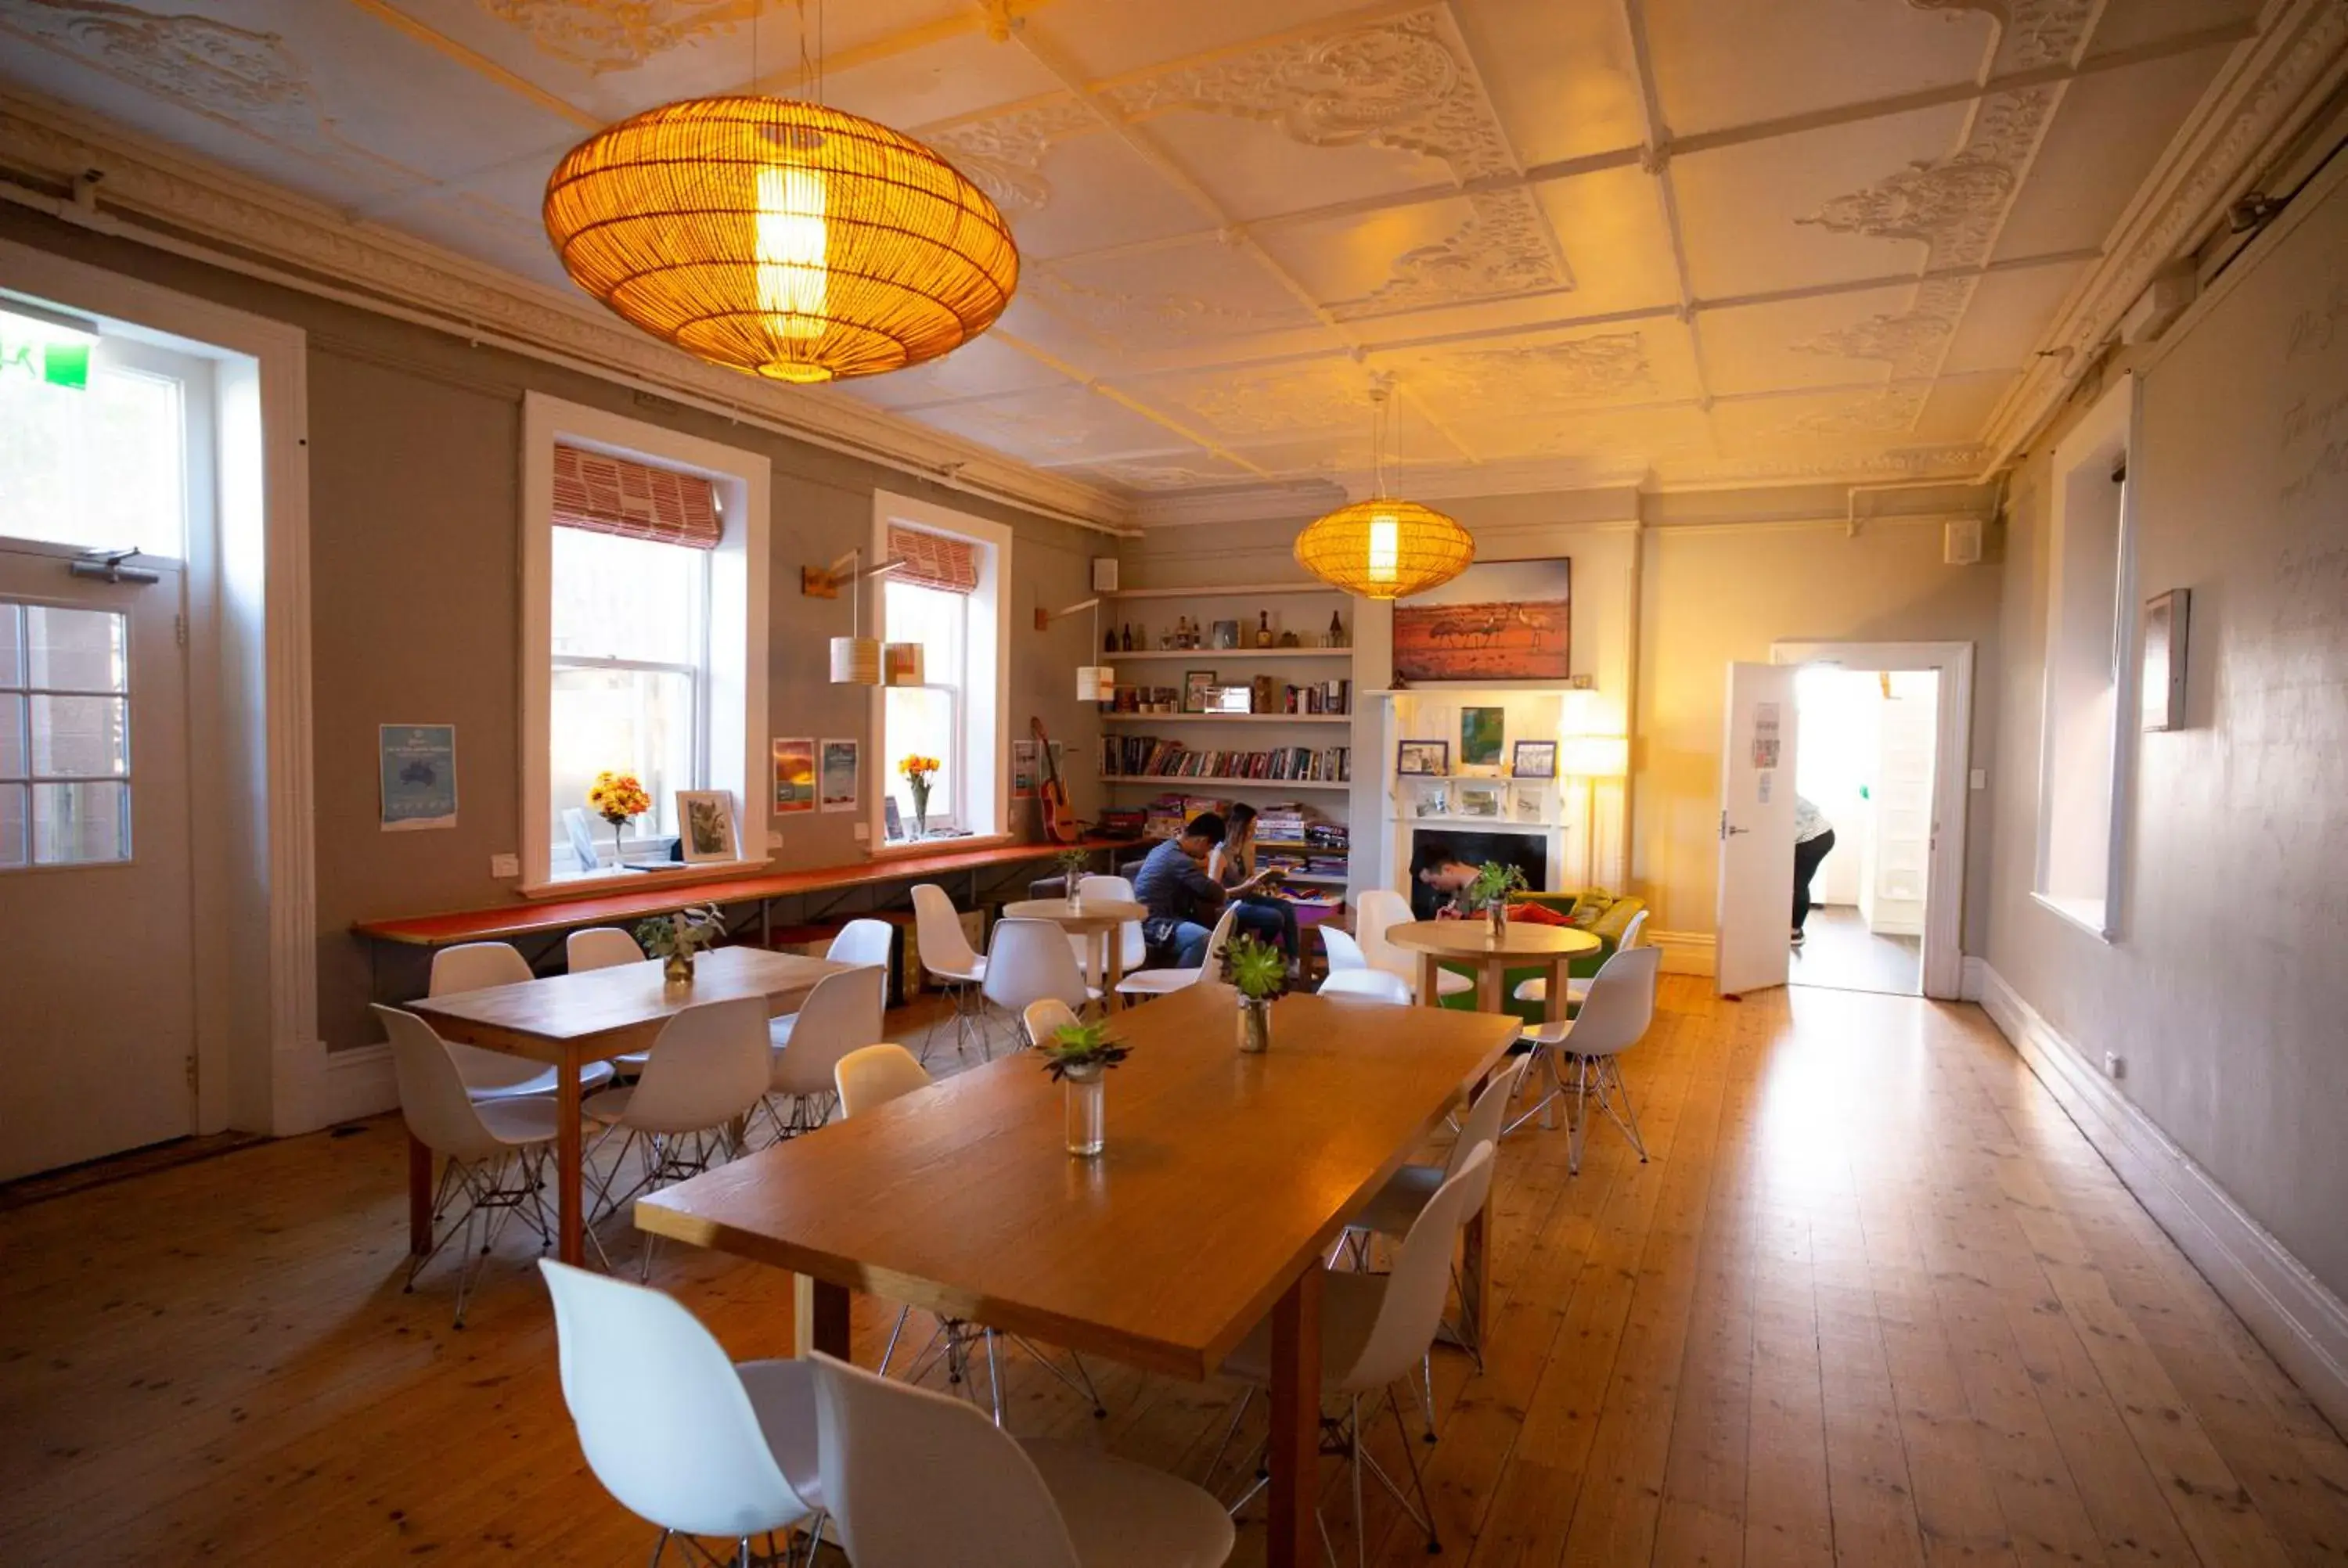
[(1231, 865), (1174, 886)]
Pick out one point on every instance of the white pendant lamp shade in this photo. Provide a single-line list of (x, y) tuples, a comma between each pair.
[(1096, 683), (856, 662)]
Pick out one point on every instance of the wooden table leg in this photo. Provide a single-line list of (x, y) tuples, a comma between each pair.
[(419, 1196), (1112, 965), (1296, 1452), (570, 1178), (1430, 981), (1559, 976), (1491, 979), (828, 1330)]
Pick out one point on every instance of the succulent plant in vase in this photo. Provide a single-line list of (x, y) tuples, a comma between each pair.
[(1494, 882), (1078, 1055), (1259, 972)]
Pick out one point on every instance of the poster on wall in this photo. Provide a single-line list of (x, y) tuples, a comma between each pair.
[(794, 775), (1767, 736), (1497, 620), (836, 779), (1023, 770), (418, 770)]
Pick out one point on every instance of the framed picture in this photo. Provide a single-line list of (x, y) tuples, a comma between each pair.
[(1227, 634), (1479, 800), (836, 775), (1197, 687), (1497, 620), (794, 775), (1533, 759), (1431, 799), (1532, 804), (2163, 691), (705, 817), (1231, 699), (1482, 732), (1423, 759)]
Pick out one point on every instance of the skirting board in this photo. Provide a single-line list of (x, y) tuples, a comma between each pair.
[(2302, 1324), (1684, 952), (359, 1082)]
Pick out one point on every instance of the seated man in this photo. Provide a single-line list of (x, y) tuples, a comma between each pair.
[(1174, 886), (1446, 877)]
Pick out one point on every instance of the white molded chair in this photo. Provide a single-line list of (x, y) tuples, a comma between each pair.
[(494, 1074), (841, 1014), (1613, 1017), (916, 1480), (1377, 985), (1028, 960), (1380, 908), (872, 1075), (1342, 952), (947, 956), (684, 1438), (1133, 949), (1044, 1019), (599, 947), (1376, 1330), (1537, 989), (864, 943), (1160, 982), (495, 1150), (706, 1071)]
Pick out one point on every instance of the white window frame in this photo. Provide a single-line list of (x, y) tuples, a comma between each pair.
[(984, 792), (886, 765), (2104, 440), (739, 582)]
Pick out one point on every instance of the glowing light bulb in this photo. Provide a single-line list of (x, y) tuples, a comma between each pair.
[(1385, 547), (792, 272)]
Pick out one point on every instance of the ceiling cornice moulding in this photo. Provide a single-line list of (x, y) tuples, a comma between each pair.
[(309, 246)]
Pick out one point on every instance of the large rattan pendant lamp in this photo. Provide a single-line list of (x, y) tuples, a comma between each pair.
[(1384, 547), (784, 238)]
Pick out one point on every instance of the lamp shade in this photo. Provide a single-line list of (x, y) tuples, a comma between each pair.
[(781, 237), (856, 662), (1385, 549), (1594, 756), (1096, 683)]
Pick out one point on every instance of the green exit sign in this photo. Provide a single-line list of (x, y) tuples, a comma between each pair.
[(38, 350)]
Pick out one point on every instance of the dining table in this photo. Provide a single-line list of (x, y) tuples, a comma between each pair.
[(1519, 945), (570, 1021), (1222, 1186), (1099, 922)]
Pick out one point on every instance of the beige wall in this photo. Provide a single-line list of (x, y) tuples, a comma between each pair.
[(2224, 990), (414, 465)]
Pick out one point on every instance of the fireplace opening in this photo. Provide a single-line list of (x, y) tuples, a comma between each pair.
[(1528, 852)]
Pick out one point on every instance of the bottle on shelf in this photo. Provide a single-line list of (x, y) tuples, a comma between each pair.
[(1336, 630), (1263, 629), (1125, 644), (1108, 641)]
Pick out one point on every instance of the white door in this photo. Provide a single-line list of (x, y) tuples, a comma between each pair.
[(97, 1013), (1755, 910), (1902, 862)]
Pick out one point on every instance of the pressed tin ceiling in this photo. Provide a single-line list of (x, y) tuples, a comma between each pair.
[(1593, 241)]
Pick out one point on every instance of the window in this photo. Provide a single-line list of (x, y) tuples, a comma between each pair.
[(2089, 578), (57, 484), (949, 598), (927, 718), (65, 736)]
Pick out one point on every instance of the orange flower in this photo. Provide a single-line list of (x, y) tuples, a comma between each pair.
[(616, 797)]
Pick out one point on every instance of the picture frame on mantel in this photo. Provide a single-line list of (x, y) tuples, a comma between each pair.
[(1423, 759)]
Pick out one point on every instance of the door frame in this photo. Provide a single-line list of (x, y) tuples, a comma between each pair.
[(260, 1064), (1943, 969)]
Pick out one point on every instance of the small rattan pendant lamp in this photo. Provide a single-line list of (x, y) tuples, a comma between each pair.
[(779, 236), (1384, 548)]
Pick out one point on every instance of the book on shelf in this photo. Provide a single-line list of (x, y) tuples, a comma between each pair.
[(1153, 756), (1266, 694)]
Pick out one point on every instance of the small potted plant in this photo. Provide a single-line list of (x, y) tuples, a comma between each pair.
[(1072, 874), (1494, 882), (618, 798), (919, 771), (1259, 972), (675, 938), (1077, 1056)]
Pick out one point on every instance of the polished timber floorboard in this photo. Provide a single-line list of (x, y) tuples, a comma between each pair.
[(1873, 1301)]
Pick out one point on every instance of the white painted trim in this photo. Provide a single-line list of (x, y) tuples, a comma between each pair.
[(2302, 1324), (1943, 975), (1685, 952), (358, 1083), (1975, 971), (737, 751), (254, 1066)]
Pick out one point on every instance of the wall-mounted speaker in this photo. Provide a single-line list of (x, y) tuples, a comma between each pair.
[(1961, 542)]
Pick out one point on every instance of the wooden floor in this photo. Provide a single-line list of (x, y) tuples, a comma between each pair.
[(1873, 1301), (1842, 952)]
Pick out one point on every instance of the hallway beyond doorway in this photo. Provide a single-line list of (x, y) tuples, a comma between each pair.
[(1840, 952)]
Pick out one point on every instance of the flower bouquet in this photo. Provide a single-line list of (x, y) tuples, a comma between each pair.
[(617, 798), (919, 771)]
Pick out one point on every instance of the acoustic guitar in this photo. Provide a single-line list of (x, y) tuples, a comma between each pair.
[(1060, 824)]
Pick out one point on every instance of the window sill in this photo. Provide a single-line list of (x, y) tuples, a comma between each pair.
[(614, 881), (2088, 916), (940, 845)]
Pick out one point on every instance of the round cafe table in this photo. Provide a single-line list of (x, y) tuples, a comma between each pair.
[(1525, 946), (1097, 921)]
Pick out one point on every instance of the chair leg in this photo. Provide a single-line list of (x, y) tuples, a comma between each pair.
[(660, 1544), (1361, 1526), (1073, 1377), (1612, 1089), (1230, 1432), (1417, 1477), (894, 1334)]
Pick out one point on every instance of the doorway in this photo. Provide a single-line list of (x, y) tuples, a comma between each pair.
[(1865, 779)]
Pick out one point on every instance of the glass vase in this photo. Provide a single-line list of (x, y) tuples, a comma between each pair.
[(1495, 915), (1087, 1094), (676, 970), (1255, 1026), (921, 813)]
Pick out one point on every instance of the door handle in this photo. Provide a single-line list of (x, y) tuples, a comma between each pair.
[(1727, 832)]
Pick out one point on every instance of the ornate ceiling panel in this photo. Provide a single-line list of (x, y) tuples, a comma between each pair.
[(1592, 240)]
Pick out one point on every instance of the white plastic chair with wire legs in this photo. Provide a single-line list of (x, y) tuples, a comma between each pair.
[(704, 1074), (493, 1152), (1343, 953), (1615, 1017), (1375, 1329), (605, 947), (1372, 985), (1398, 1205), (1537, 989), (1379, 909), (915, 1479), (1165, 982), (494, 1074), (949, 962), (1029, 960), (842, 1013), (863, 942), (868, 1078), (684, 1438), (1044, 1019), (1133, 947)]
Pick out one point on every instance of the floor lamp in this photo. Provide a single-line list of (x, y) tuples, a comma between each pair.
[(1591, 758)]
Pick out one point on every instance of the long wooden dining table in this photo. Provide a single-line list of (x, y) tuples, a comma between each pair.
[(570, 1021), (1224, 1183)]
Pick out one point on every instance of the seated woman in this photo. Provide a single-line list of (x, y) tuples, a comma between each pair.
[(1231, 865)]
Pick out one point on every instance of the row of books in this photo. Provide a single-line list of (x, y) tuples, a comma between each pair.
[(1148, 757)]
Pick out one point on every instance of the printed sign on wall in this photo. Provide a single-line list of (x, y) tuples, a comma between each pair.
[(418, 767)]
